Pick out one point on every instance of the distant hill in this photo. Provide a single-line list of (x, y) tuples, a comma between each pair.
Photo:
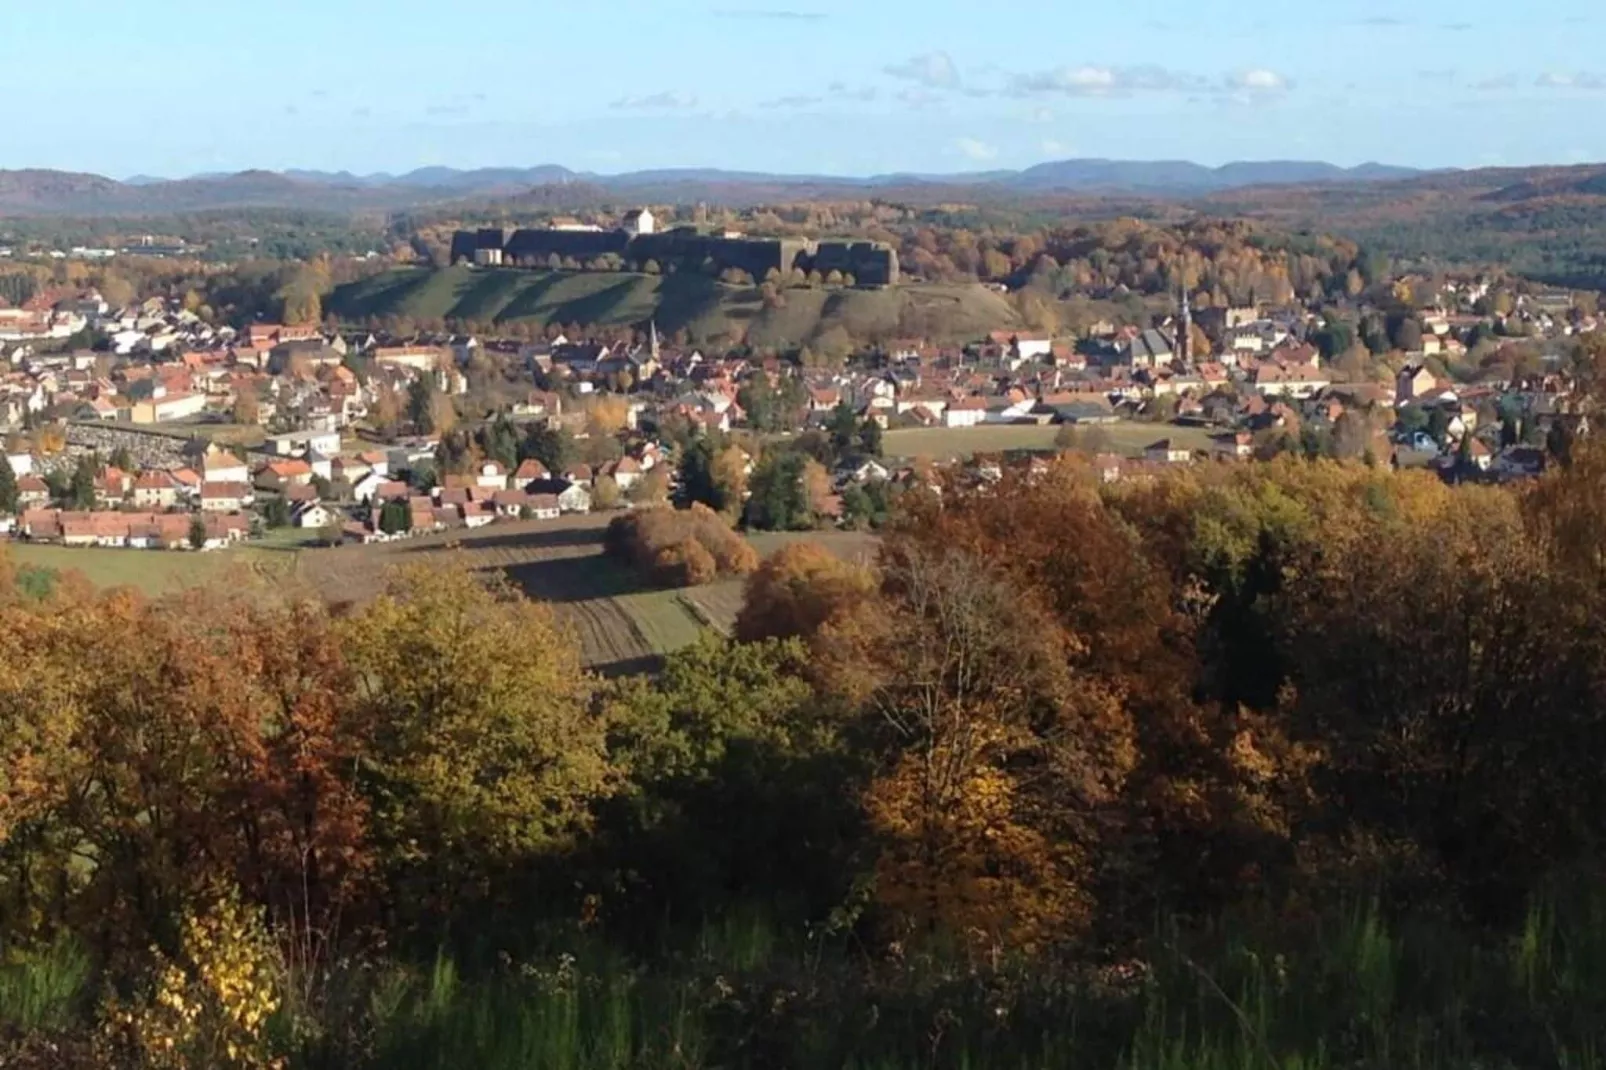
[(1180, 176), (62, 193), (707, 310)]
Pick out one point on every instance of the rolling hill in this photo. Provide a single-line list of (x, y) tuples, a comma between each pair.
[(707, 310), (38, 192)]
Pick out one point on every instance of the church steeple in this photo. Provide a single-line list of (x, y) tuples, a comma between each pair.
[(1185, 329), (652, 345)]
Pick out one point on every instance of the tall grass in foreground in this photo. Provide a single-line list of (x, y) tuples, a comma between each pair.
[(44, 991), (1347, 991), (1351, 991)]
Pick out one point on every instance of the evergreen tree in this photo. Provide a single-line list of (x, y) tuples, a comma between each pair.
[(870, 438), (843, 428), (553, 447), (421, 404), (8, 488), (697, 482), (395, 517), (276, 513), (197, 532), (81, 488)]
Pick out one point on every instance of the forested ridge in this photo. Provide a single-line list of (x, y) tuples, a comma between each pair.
[(1268, 765)]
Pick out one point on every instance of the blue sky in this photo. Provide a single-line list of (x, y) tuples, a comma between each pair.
[(174, 87)]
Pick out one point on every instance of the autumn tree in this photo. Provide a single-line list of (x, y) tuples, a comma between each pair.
[(485, 761), (799, 590), (246, 409), (998, 757), (607, 415)]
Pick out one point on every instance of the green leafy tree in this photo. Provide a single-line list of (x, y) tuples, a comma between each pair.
[(779, 501), (553, 446), (197, 532)]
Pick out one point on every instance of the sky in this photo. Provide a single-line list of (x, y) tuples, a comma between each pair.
[(846, 87)]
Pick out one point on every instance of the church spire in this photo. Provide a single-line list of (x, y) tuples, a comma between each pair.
[(1185, 331), (652, 344)]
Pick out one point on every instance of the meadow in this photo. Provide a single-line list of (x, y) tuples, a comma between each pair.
[(959, 443), (621, 625)]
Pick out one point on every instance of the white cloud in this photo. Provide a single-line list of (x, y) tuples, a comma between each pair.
[(973, 149), (934, 70), (1041, 114), (666, 101), (1257, 85), (1096, 80), (1258, 80), (1055, 148), (1099, 81), (1565, 80)]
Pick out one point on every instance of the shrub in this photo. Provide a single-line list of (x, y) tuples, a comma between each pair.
[(679, 547)]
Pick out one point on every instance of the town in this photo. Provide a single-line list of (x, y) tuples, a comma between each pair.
[(118, 445)]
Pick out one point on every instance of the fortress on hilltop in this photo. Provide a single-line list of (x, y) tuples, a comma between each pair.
[(677, 249)]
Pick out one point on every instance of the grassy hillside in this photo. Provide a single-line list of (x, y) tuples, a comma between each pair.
[(707, 310)]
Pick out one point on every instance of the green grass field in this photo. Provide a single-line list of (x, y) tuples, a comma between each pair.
[(948, 443), (704, 308), (616, 620), (156, 572)]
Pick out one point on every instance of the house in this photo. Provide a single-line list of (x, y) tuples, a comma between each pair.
[(276, 475), (32, 491), (869, 471), (626, 472), (225, 497), (21, 464), (638, 222), (966, 412), (365, 489), (1414, 381), (311, 515), (545, 506), (573, 497), (1150, 349), (491, 476), (1290, 380), (510, 502), (159, 410), (1166, 451), (223, 467), (530, 471), (1479, 454), (421, 514), (299, 443), (155, 490)]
